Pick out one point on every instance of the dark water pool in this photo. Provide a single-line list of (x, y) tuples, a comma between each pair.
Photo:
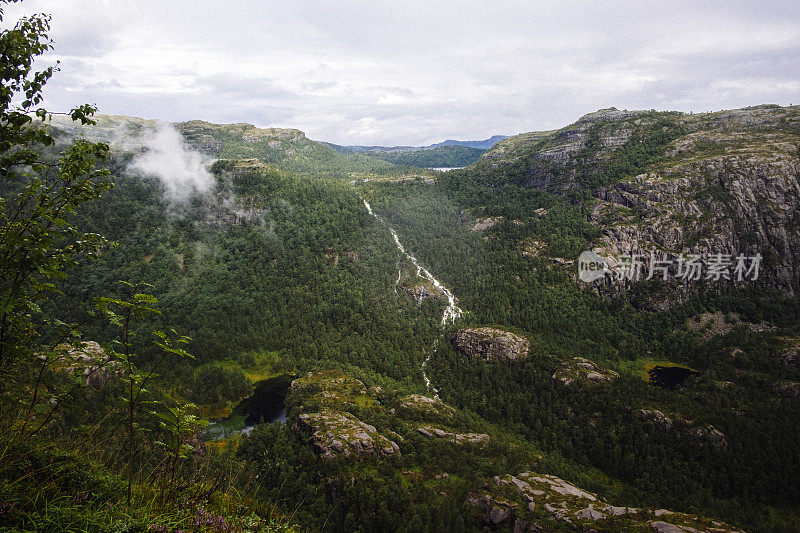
[(669, 377), (265, 405)]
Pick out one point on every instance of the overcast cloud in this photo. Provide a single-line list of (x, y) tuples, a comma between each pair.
[(408, 72)]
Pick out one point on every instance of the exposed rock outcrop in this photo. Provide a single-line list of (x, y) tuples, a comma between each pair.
[(421, 292), (683, 428), (490, 344), (340, 434), (329, 389), (579, 370), (787, 389), (661, 421), (203, 135), (536, 502), (419, 407), (731, 204), (715, 324), (91, 361), (205, 143), (789, 353), (482, 224), (480, 439)]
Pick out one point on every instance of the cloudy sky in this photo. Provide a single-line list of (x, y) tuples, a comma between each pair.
[(410, 72)]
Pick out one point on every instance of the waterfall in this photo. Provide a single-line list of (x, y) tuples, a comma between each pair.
[(451, 313)]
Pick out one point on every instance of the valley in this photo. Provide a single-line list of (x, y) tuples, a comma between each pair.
[(399, 267), (329, 338), (520, 404)]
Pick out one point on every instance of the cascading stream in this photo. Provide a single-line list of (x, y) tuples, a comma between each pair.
[(451, 313)]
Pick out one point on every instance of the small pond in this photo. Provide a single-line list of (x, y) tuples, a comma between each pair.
[(669, 377), (265, 405)]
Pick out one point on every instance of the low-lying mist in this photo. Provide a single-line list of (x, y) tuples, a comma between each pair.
[(158, 150), (162, 152)]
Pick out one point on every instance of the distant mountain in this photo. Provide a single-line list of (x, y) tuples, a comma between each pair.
[(363, 148), (488, 143), (485, 145), (451, 156), (449, 153)]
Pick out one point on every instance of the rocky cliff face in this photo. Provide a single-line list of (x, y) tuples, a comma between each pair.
[(490, 344), (669, 183), (208, 138)]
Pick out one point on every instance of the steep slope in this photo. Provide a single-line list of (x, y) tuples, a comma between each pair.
[(505, 235), (723, 182)]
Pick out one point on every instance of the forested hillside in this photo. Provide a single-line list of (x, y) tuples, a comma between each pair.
[(505, 235), (441, 156)]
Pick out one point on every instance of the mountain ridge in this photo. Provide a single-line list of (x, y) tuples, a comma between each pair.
[(732, 173), (484, 144)]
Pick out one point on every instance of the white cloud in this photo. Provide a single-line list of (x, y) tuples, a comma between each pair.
[(163, 153), (416, 72)]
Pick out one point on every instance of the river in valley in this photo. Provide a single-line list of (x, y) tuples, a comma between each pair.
[(451, 313), (265, 405)]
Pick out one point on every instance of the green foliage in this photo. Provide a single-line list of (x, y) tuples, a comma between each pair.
[(179, 424), (308, 274), (61, 488), (38, 236), (273, 268), (122, 312), (499, 284), (216, 384), (441, 156), (43, 365)]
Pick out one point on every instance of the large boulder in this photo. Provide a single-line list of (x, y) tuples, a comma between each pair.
[(490, 344), (340, 434)]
